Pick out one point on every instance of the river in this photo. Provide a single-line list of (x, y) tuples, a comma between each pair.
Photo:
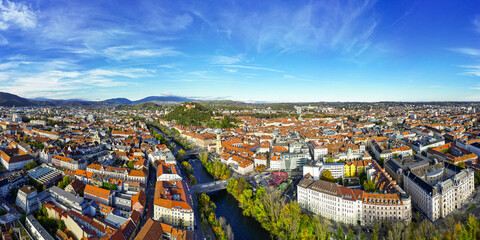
[(227, 206), (243, 227)]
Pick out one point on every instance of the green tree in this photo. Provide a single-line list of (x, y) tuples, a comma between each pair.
[(381, 161), (376, 228), (130, 164), (351, 235), (340, 234), (369, 186), (23, 218), (30, 165), (61, 225), (477, 178), (461, 164), (64, 183), (363, 177)]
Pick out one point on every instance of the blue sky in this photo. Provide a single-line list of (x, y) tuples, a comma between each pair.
[(279, 51)]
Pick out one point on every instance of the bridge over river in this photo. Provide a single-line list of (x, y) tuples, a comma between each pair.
[(210, 187)]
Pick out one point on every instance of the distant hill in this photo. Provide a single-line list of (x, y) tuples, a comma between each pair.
[(40, 99), (10, 100), (114, 101), (163, 99)]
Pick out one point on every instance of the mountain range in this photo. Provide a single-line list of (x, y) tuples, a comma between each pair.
[(9, 100)]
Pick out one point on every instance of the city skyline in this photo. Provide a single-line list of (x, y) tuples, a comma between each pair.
[(246, 51)]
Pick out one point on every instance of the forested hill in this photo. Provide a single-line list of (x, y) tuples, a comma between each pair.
[(190, 114)]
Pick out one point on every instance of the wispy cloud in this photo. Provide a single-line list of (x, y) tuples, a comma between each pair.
[(476, 23), (329, 25), (230, 70), (472, 70), (3, 40), (16, 15), (127, 72), (40, 79), (11, 64), (129, 52), (252, 68), (219, 59), (467, 51)]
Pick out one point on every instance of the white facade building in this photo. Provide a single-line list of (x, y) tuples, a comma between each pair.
[(440, 189), (351, 206)]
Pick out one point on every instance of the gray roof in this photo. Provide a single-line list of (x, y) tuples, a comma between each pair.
[(417, 164), (420, 182), (115, 220), (394, 165), (69, 196)]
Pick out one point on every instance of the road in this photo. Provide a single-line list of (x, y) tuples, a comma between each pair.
[(290, 191), (150, 192)]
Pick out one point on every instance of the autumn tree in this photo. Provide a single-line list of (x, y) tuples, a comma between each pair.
[(327, 176), (181, 155)]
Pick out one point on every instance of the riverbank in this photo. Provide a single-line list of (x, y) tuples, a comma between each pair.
[(172, 133), (243, 227), (282, 220)]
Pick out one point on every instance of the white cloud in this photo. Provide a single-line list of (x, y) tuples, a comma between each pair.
[(128, 72), (120, 53), (476, 23), (345, 26), (47, 79), (253, 68), (230, 70), (219, 59), (12, 64), (166, 93), (16, 15), (467, 51), (473, 70), (3, 40)]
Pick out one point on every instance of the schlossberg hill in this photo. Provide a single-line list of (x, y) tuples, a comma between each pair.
[(195, 114)]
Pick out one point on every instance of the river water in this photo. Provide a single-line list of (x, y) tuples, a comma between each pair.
[(243, 227), (227, 206)]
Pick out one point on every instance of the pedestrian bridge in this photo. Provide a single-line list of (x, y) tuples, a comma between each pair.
[(210, 187)]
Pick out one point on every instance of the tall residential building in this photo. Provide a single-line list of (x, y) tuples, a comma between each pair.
[(27, 199)]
